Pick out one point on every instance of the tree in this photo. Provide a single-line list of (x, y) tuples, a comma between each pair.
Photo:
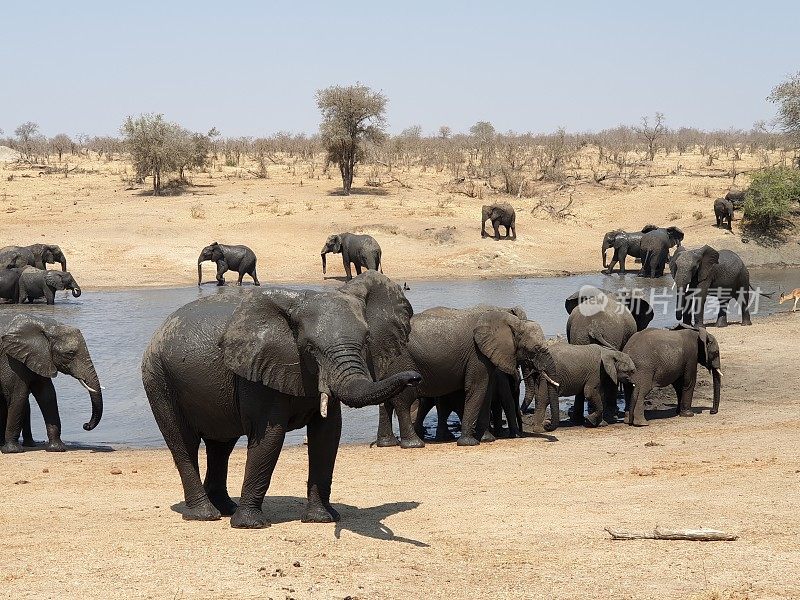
[(787, 97), (351, 117), (483, 135), (61, 143), (769, 198), (26, 134), (652, 135)]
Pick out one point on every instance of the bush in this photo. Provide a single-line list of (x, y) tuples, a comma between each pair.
[(768, 200)]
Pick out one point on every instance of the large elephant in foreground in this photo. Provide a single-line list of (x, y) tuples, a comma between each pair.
[(263, 364), (458, 350), (235, 258), (35, 255), (655, 246), (702, 271), (36, 283), (597, 316), (363, 251), (500, 214), (33, 350), (670, 357)]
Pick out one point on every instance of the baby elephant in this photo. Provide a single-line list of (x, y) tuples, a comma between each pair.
[(723, 211), (234, 258), (589, 372), (37, 283), (361, 250), (500, 213), (670, 357)]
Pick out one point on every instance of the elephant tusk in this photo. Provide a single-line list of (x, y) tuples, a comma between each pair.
[(673, 285), (323, 404), (86, 385), (550, 381), (719, 372)]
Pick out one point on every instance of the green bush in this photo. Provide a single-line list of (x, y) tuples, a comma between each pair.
[(768, 200)]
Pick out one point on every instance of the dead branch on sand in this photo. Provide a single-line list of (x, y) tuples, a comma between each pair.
[(695, 535)]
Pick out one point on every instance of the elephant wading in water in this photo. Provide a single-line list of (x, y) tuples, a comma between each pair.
[(458, 351), (360, 250), (263, 364), (34, 350), (35, 283), (501, 213), (670, 357), (235, 258), (9, 284), (703, 271), (655, 246)]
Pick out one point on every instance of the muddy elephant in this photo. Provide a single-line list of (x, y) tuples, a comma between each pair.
[(624, 243), (670, 357), (234, 258), (597, 316), (588, 372), (500, 213), (363, 251), (264, 363), (35, 349), (35, 283), (655, 245), (723, 211), (702, 271), (35, 255), (458, 350), (9, 284)]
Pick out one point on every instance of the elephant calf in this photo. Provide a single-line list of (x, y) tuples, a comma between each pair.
[(363, 251), (723, 211), (590, 372), (36, 283), (500, 213), (670, 357), (234, 258)]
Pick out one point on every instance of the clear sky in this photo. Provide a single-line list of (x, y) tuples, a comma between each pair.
[(251, 68)]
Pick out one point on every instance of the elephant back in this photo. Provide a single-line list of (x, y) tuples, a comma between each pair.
[(605, 321)]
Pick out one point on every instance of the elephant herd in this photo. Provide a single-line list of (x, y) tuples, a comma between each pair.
[(270, 360), (24, 274)]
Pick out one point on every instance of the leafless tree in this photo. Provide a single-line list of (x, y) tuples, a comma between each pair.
[(652, 135)]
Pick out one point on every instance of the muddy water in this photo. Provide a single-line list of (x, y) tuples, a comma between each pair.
[(118, 325)]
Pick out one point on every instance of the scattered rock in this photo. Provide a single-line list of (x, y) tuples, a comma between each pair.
[(296, 563), (21, 482), (116, 471), (651, 443), (45, 470), (134, 471)]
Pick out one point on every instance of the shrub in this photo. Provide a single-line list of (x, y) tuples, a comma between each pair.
[(768, 200)]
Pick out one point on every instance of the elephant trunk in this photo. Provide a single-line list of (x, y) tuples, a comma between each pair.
[(606, 246), (76, 292), (359, 392), (88, 379), (324, 265), (64, 264), (717, 377), (200, 271)]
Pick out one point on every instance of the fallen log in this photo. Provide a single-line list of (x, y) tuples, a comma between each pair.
[(695, 535)]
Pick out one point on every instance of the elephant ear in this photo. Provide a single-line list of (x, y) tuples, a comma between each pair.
[(519, 312), (259, 341), (641, 310), (54, 280), (609, 364), (702, 342), (649, 227), (24, 339), (586, 292), (708, 259), (494, 336), (388, 314)]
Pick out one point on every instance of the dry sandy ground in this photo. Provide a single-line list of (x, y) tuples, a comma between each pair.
[(512, 519), (120, 237)]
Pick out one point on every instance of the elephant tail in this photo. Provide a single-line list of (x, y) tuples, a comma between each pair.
[(598, 338), (763, 294)]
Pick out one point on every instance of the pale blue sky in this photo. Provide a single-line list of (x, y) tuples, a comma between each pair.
[(251, 68)]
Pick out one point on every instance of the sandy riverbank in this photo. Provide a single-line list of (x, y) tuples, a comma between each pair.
[(513, 519), (116, 234)]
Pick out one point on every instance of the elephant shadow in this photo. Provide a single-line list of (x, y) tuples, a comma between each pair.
[(73, 447), (668, 411), (367, 522), (362, 191), (341, 278)]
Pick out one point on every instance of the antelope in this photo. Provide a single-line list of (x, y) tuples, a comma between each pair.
[(793, 295)]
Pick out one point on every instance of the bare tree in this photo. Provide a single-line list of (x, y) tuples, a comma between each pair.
[(26, 134), (61, 143), (787, 96), (351, 116), (652, 135)]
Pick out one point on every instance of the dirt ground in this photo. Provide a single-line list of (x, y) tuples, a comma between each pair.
[(512, 519), (116, 234)]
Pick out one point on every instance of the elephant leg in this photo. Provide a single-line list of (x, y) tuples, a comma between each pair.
[(222, 268), (216, 481), (576, 416), (358, 268), (722, 314), (509, 405), (595, 416), (45, 395), (514, 231), (684, 389), (27, 434), (386, 435), (475, 408), (49, 295), (347, 270), (323, 444), (635, 412), (252, 274), (183, 444), (496, 226), (744, 302), (239, 281), (402, 405), (17, 401), (442, 413)]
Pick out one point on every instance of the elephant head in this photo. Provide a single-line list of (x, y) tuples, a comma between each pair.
[(53, 254), (692, 269), (509, 342), (612, 239), (618, 365), (62, 280), (213, 253), (332, 244), (323, 344), (675, 236), (48, 347)]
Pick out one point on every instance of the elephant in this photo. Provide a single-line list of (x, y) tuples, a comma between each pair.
[(589, 372), (624, 244), (736, 198), (35, 283), (234, 258), (723, 211), (265, 363), (655, 246), (670, 357), (458, 350), (35, 255), (500, 213), (33, 350), (16, 257), (596, 316), (362, 251), (9, 284), (700, 271)]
